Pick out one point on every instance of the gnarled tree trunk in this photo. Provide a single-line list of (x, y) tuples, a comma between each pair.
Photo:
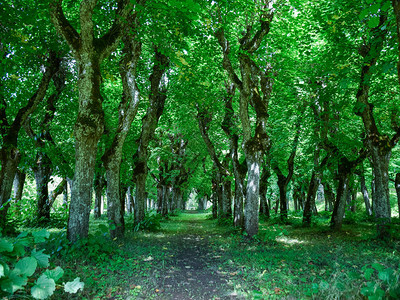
[(9, 152), (89, 52), (19, 183), (157, 97)]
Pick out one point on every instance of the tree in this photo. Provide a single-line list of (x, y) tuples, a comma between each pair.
[(89, 52), (127, 111), (255, 88), (157, 97), (9, 152)]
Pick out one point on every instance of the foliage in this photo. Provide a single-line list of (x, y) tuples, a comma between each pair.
[(151, 222), (21, 263), (270, 235)]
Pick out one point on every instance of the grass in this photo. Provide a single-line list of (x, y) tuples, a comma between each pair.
[(282, 261)]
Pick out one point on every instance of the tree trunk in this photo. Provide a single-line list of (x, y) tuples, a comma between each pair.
[(42, 177), (140, 196), (310, 200), (379, 145), (131, 200), (157, 97), (99, 183), (165, 203), (88, 130), (81, 193), (329, 196), (89, 52), (57, 191), (229, 126), (264, 206), (380, 164), (160, 197), (252, 204), (397, 187), (364, 192), (9, 158), (115, 204), (282, 184), (340, 203), (19, 182), (214, 198), (9, 153), (255, 88), (227, 199)]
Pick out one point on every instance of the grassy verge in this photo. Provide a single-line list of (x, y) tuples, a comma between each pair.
[(282, 261)]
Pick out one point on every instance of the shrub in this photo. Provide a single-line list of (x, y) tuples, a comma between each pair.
[(151, 222), (21, 263)]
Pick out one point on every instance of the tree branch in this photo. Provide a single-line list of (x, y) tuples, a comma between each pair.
[(62, 25)]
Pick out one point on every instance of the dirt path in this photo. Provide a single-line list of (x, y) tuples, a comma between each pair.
[(193, 270)]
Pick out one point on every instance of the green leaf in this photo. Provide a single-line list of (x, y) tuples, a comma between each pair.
[(364, 13), (323, 285), (5, 246), (368, 273), (55, 274), (368, 290), (378, 294), (43, 288), (26, 266), (19, 249), (14, 282), (74, 286), (378, 267), (2, 274), (386, 6), (22, 235), (41, 236), (42, 259), (385, 275), (103, 228), (373, 22)]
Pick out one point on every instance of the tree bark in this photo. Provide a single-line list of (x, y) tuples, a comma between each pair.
[(364, 192), (157, 97), (131, 201), (379, 145), (9, 152), (309, 205), (329, 196), (19, 182), (310, 200), (229, 126), (127, 111), (204, 117), (99, 184), (42, 172), (264, 206), (214, 198), (344, 171), (252, 80), (89, 52), (283, 181), (397, 187), (60, 188)]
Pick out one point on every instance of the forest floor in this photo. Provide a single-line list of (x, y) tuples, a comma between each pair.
[(192, 257)]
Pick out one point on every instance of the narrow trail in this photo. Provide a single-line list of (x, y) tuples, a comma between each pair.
[(194, 268)]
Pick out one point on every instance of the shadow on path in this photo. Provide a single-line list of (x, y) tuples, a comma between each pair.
[(193, 270)]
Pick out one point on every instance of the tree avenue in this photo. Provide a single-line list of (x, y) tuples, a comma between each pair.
[(252, 109)]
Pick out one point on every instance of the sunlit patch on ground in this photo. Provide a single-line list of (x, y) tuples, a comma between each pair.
[(289, 241)]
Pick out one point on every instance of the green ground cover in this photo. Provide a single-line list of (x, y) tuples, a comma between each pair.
[(193, 257)]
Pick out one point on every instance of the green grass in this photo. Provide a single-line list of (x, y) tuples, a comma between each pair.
[(282, 261)]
